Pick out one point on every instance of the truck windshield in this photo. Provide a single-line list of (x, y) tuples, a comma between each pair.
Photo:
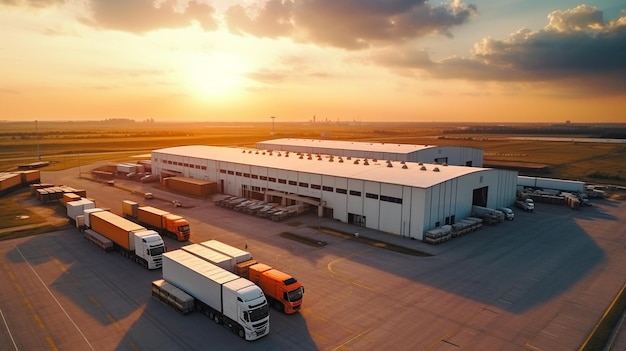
[(184, 228), (155, 251), (295, 295), (259, 313)]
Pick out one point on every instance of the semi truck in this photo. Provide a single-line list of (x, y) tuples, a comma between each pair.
[(162, 221), (226, 298), (283, 291), (133, 241)]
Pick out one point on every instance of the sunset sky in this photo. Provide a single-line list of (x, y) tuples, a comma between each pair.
[(337, 60)]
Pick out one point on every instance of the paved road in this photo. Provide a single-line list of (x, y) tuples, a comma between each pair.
[(540, 282)]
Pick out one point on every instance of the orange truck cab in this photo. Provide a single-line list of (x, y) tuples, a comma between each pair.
[(283, 290), (177, 225)]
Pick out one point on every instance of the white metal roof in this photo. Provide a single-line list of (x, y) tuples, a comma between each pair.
[(376, 171), (350, 145)]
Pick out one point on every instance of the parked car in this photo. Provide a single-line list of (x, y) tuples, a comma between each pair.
[(508, 213), (148, 178)]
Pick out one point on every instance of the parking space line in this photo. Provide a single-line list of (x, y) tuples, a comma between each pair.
[(55, 299), (8, 330)]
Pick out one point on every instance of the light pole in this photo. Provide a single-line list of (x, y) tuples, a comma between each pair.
[(273, 118), (79, 173), (37, 136)]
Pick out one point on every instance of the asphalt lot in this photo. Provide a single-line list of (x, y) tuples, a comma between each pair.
[(540, 282)]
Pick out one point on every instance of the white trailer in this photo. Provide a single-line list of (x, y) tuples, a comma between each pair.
[(238, 254), (77, 208), (551, 184), (127, 168), (226, 298), (217, 258)]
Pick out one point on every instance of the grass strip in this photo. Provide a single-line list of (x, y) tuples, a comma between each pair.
[(303, 239), (374, 242)]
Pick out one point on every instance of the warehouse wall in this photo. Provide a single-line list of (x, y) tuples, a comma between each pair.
[(391, 208), (455, 155)]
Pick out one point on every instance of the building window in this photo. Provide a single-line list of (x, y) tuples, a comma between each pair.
[(254, 176), (223, 171), (238, 174), (316, 186), (355, 193), (231, 172), (282, 181), (272, 179), (263, 177), (293, 182), (203, 168), (304, 185), (390, 199), (341, 191), (371, 196), (246, 175), (327, 188)]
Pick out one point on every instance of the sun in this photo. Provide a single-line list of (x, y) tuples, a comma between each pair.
[(215, 74)]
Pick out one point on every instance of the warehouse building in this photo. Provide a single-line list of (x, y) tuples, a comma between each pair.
[(451, 155), (398, 197)]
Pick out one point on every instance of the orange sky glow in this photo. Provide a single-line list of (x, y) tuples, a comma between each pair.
[(346, 60)]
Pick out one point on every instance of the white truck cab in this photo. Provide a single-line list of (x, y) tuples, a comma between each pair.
[(149, 246)]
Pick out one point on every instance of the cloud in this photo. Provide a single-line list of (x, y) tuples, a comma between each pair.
[(139, 16), (575, 41), (348, 24), (32, 3), (576, 47), (8, 91)]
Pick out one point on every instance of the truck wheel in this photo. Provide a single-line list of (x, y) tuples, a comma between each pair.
[(216, 318), (241, 333)]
